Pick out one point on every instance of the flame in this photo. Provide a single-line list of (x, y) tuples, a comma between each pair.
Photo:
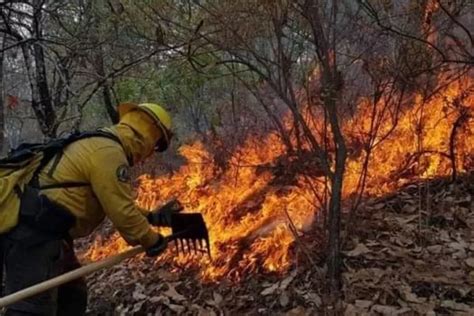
[(245, 213), (419, 145), (250, 214)]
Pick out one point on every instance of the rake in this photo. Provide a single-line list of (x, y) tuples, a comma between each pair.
[(188, 230)]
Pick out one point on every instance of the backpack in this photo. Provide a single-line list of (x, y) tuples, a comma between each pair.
[(22, 166)]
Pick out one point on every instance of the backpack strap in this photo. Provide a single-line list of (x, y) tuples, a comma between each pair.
[(56, 150), (64, 185)]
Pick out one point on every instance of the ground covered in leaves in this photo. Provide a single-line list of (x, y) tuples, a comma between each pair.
[(409, 253)]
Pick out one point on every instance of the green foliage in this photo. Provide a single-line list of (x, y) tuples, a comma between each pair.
[(178, 86)]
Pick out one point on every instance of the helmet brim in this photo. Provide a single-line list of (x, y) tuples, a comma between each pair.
[(126, 107)]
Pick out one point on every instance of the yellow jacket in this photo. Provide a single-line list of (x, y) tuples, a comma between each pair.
[(103, 163)]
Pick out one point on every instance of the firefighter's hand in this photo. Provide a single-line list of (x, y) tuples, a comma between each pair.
[(162, 215), (158, 247)]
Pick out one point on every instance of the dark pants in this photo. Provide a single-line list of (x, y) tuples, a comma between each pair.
[(32, 257)]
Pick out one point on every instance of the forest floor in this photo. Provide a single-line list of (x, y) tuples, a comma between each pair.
[(410, 253)]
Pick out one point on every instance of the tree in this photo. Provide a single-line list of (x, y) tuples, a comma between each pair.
[(2, 101), (71, 50), (268, 40)]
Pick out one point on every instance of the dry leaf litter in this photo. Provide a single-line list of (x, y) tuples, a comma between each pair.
[(410, 253)]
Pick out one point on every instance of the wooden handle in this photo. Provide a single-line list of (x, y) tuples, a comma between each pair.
[(69, 276)]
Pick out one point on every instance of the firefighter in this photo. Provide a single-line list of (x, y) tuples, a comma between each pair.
[(70, 196)]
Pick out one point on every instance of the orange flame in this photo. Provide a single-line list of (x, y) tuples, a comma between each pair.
[(249, 215)]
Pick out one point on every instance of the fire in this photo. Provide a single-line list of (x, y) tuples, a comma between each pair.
[(245, 213), (419, 146), (249, 214)]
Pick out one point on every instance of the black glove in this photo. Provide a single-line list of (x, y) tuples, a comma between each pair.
[(158, 247), (162, 216)]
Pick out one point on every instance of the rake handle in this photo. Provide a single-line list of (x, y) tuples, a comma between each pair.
[(69, 276)]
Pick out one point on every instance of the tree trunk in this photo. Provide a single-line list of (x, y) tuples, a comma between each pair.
[(109, 107), (45, 103), (324, 38), (462, 117), (111, 111), (334, 246), (36, 71), (2, 102)]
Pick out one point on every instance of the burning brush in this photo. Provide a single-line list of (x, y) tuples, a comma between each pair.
[(261, 199)]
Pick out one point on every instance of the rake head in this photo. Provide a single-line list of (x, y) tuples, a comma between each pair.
[(190, 233)]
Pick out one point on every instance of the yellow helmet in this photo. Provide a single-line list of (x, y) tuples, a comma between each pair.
[(159, 115)]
